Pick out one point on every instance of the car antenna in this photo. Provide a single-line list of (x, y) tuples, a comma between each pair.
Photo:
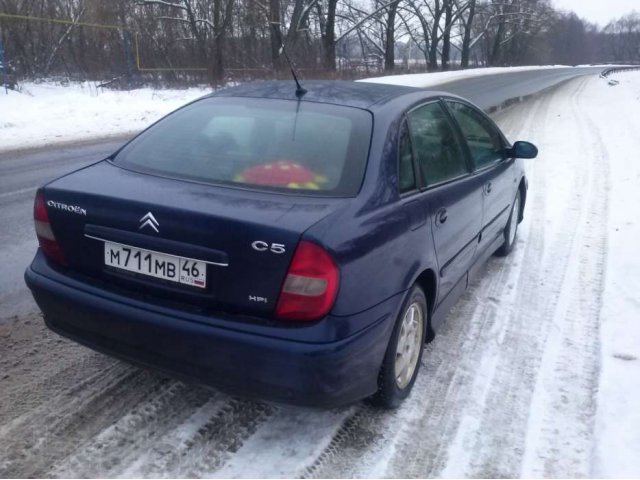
[(300, 90)]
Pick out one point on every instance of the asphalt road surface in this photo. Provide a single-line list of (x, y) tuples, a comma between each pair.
[(493, 90), (20, 175)]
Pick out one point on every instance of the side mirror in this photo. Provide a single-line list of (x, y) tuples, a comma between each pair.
[(522, 150)]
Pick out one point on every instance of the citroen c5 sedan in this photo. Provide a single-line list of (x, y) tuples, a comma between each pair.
[(300, 248)]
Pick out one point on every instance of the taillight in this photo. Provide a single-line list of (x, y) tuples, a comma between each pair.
[(46, 239), (310, 287)]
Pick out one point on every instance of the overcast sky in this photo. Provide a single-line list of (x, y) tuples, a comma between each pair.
[(599, 11)]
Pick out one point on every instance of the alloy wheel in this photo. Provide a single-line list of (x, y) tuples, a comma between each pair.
[(409, 343)]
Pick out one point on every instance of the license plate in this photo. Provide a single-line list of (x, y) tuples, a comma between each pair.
[(153, 264)]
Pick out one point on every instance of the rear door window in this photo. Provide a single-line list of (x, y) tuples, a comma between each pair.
[(435, 144), (264, 144), (483, 139)]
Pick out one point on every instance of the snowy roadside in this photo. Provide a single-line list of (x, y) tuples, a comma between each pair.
[(44, 114), (617, 111)]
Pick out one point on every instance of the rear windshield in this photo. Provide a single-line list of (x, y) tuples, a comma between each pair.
[(277, 145)]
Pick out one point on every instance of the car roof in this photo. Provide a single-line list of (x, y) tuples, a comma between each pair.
[(337, 92)]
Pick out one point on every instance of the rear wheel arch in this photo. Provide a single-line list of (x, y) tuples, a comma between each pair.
[(427, 281)]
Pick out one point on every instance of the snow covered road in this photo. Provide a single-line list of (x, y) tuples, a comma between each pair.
[(536, 372)]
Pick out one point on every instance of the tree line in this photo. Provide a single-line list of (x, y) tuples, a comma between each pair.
[(225, 40)]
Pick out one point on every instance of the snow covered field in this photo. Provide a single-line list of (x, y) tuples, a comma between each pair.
[(536, 372), (43, 114), (616, 112)]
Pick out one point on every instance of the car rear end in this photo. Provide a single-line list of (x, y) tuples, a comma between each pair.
[(189, 250)]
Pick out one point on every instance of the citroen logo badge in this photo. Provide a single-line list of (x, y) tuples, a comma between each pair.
[(149, 221)]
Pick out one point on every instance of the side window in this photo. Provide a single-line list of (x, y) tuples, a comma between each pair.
[(436, 147), (406, 175), (484, 141)]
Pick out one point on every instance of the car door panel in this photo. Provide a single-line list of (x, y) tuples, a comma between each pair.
[(486, 148), (498, 190), (455, 238), (452, 196)]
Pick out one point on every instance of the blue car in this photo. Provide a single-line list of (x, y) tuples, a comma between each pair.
[(295, 247)]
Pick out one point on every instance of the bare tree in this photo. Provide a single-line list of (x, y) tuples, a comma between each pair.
[(390, 43), (621, 39), (467, 17), (377, 26), (207, 23), (174, 40)]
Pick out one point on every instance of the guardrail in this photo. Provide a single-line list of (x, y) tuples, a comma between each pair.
[(608, 71)]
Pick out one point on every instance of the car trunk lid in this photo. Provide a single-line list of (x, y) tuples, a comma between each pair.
[(245, 238)]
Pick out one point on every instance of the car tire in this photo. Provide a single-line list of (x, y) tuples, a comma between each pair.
[(404, 353), (511, 230)]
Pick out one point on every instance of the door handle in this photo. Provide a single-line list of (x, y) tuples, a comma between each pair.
[(487, 188), (442, 215)]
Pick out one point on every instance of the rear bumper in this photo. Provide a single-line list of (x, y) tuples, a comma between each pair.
[(317, 374)]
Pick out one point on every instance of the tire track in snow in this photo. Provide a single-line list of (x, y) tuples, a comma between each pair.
[(499, 441), (357, 433), (114, 416), (497, 446), (26, 350), (173, 448), (289, 444), (491, 442), (574, 348), (222, 436), (34, 441), (141, 429)]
